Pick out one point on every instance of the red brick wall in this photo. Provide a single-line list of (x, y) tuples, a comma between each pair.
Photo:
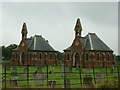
[(92, 58), (45, 57)]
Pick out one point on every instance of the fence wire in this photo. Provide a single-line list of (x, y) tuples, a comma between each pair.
[(59, 76)]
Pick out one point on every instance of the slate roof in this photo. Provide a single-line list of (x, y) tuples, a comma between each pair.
[(38, 43), (92, 42)]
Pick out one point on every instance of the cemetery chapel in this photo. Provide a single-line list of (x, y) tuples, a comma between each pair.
[(33, 50), (87, 51)]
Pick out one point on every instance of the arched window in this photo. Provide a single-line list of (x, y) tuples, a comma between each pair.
[(23, 57), (40, 56), (16, 56), (27, 56), (87, 57), (83, 56), (103, 56), (108, 57), (68, 56), (98, 57), (50, 56), (30, 56), (23, 35), (64, 56)]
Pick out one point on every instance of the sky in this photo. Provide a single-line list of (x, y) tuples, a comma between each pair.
[(55, 21)]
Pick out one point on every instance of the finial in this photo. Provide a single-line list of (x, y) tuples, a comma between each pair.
[(78, 26), (24, 30)]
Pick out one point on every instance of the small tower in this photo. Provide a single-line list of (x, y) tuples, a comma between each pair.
[(24, 31), (78, 28)]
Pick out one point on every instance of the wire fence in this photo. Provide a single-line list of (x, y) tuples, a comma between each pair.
[(59, 76)]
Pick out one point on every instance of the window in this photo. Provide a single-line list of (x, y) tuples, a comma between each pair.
[(103, 56), (30, 56), (16, 56), (50, 56), (68, 56), (40, 56), (108, 57), (83, 55), (27, 56), (23, 35), (86, 57), (98, 57), (64, 56)]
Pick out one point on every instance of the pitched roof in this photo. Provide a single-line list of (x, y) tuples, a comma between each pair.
[(92, 42), (38, 43)]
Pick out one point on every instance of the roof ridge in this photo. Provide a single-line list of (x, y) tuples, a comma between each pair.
[(90, 42), (38, 35), (91, 33)]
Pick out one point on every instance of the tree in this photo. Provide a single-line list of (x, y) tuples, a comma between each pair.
[(7, 51), (59, 56)]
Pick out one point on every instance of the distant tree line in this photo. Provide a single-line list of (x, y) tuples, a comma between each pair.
[(7, 52)]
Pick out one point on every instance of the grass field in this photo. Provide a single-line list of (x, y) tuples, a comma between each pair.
[(57, 76)]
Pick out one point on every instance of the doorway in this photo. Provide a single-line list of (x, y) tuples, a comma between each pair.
[(77, 59), (23, 57)]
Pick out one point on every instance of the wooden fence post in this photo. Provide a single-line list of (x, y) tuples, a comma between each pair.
[(47, 75), (64, 77), (28, 74), (5, 75), (106, 74), (80, 75), (118, 76), (94, 74)]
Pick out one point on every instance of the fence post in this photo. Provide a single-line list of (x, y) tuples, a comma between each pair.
[(28, 74), (5, 75), (64, 77), (106, 74), (80, 75), (94, 74), (47, 75), (118, 76)]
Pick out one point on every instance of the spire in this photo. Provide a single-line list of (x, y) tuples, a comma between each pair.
[(78, 27), (24, 31)]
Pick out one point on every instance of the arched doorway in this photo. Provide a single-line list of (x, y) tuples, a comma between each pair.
[(77, 58), (23, 57)]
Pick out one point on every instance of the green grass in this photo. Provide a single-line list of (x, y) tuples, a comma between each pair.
[(54, 76)]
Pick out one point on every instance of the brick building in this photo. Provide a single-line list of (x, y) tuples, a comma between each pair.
[(87, 51), (33, 50)]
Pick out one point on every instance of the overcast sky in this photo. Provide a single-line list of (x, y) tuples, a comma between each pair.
[(56, 21)]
